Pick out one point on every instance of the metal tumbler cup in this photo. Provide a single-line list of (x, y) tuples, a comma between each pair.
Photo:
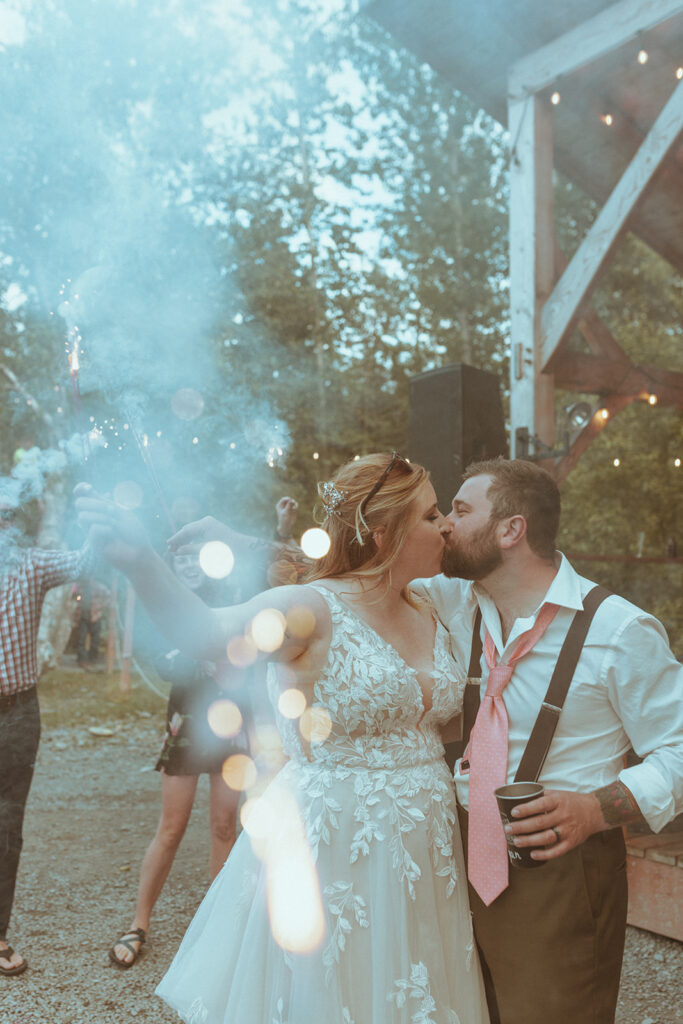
[(509, 797)]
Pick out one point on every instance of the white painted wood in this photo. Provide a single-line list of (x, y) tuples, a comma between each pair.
[(563, 307), (602, 34), (531, 265)]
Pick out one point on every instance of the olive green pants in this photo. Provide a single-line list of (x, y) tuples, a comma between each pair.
[(551, 945)]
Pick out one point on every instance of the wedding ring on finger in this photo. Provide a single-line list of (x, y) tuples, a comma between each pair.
[(558, 837)]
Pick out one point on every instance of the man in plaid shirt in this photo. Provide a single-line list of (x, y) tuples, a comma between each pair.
[(25, 578)]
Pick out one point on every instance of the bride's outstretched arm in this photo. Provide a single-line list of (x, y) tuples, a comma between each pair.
[(180, 615)]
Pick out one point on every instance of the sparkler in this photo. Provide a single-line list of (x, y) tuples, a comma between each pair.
[(146, 456), (74, 369)]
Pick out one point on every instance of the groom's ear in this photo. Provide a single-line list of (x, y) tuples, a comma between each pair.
[(378, 536), (513, 530)]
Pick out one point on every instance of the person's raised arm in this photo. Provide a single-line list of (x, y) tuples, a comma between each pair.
[(189, 538), (180, 615)]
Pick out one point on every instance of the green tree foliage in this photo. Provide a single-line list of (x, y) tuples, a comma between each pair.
[(327, 218)]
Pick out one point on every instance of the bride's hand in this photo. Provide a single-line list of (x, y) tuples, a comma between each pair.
[(113, 532)]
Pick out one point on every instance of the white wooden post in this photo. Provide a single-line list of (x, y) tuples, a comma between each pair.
[(531, 267)]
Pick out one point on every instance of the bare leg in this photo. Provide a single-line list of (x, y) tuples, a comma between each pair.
[(177, 797), (223, 821)]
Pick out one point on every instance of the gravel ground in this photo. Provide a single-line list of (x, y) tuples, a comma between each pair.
[(92, 810)]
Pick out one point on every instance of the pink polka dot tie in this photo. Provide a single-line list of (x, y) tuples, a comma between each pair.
[(487, 859)]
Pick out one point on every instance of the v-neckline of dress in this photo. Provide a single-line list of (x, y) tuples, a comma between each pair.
[(415, 672)]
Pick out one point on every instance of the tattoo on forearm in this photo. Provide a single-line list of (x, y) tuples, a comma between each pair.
[(617, 804)]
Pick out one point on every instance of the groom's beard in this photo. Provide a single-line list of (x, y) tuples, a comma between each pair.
[(474, 558)]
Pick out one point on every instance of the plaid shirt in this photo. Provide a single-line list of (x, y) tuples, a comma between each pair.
[(22, 591)]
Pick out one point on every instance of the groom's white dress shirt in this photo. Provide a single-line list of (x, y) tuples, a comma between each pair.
[(627, 691)]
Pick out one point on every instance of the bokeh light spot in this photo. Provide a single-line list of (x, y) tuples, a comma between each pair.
[(224, 718), (242, 651), (268, 629), (291, 703), (294, 902), (260, 817), (128, 494), (266, 747), (315, 724), (300, 622), (315, 542), (239, 772), (187, 404), (216, 559)]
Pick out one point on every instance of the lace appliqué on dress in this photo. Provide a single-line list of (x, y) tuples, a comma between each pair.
[(342, 900), (417, 988)]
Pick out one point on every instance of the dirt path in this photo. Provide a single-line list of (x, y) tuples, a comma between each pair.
[(92, 810)]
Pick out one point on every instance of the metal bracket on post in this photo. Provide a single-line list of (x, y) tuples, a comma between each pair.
[(524, 441)]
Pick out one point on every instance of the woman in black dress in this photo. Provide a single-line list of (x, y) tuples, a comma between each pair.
[(190, 748)]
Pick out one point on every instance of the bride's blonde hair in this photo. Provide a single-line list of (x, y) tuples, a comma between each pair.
[(350, 519)]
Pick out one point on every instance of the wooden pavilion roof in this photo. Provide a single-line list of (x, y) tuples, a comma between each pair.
[(475, 44)]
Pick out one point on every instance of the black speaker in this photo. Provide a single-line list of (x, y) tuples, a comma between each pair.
[(456, 417)]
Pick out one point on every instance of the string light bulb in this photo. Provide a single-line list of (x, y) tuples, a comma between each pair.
[(677, 463), (607, 119), (316, 455), (652, 399), (643, 57), (603, 414), (616, 462), (555, 98), (679, 73)]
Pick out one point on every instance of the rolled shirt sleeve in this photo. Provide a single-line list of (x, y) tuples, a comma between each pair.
[(53, 568), (645, 686), (627, 691)]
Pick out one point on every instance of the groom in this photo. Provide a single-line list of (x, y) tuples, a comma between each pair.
[(551, 940)]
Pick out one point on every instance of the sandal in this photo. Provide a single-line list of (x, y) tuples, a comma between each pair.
[(5, 954), (127, 939)]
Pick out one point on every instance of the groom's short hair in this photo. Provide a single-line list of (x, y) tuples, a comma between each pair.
[(522, 488)]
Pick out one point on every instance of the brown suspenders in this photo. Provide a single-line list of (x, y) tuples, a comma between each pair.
[(543, 731), (471, 698)]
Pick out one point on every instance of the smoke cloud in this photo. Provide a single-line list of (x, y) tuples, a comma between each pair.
[(114, 115)]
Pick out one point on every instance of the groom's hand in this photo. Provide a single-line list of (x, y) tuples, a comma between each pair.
[(556, 822)]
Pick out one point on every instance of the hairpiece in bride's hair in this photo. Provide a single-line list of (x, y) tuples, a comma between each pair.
[(331, 496)]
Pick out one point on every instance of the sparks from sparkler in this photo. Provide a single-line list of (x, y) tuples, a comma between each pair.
[(74, 361)]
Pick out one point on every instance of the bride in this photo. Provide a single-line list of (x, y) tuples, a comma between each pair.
[(345, 898)]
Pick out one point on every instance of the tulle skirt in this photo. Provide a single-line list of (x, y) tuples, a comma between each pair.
[(344, 901)]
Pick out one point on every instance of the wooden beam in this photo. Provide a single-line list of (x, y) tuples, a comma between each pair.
[(598, 336), (607, 31), (531, 266), (577, 172), (591, 374), (563, 307)]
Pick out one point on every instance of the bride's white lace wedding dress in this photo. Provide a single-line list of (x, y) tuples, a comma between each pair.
[(360, 859)]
